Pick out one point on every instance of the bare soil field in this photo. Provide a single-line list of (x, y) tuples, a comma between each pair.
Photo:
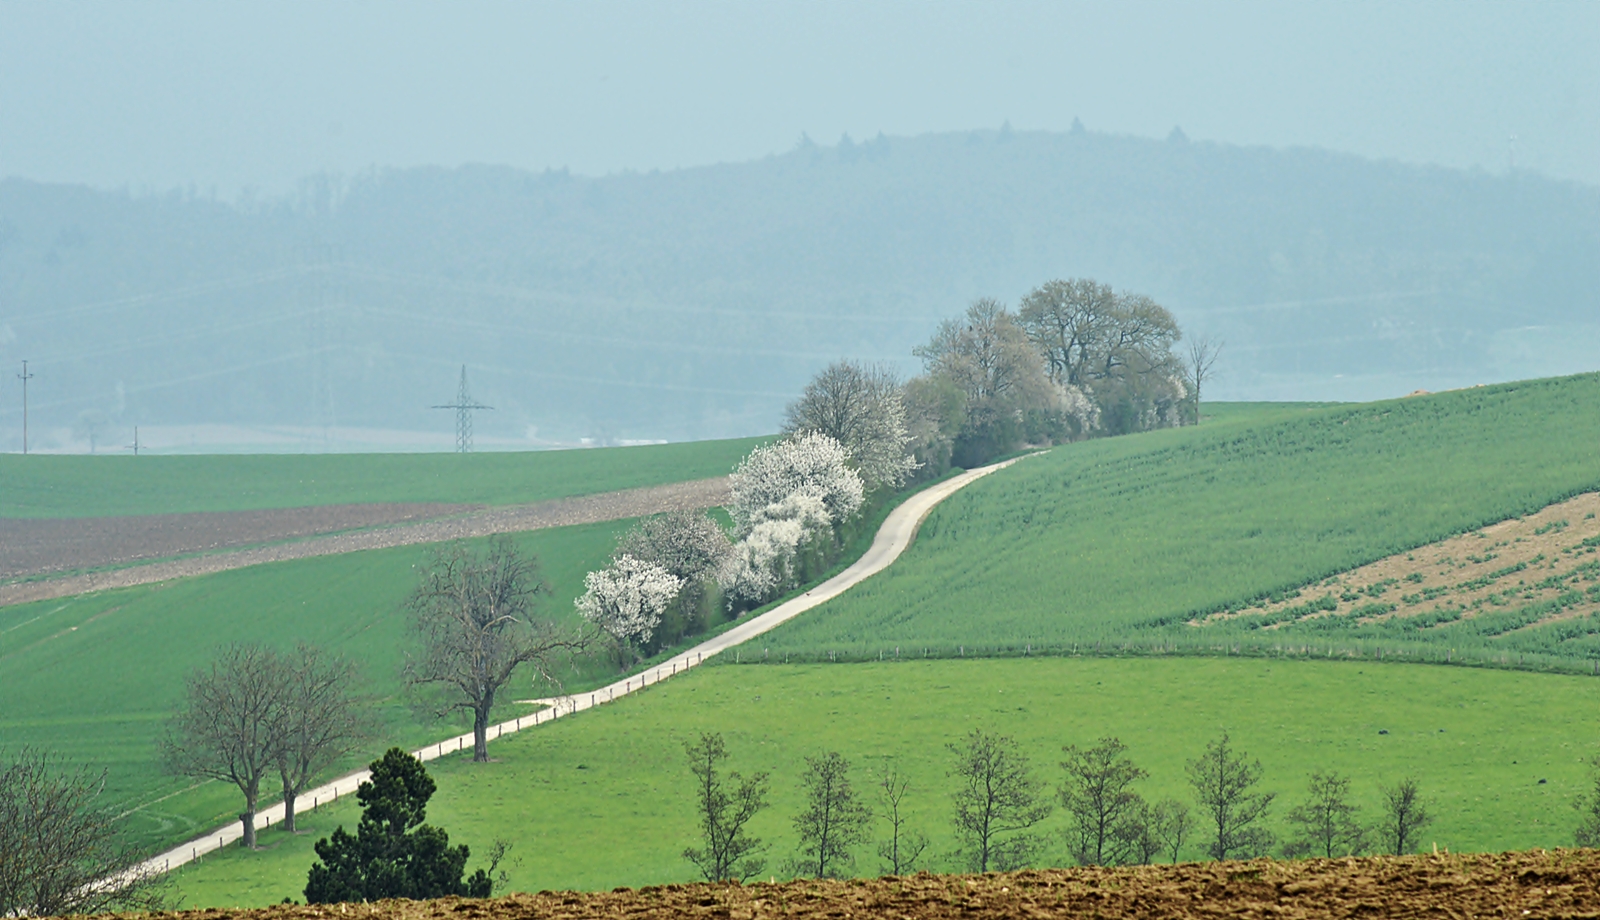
[(1556, 883), (43, 547), (1551, 553), (40, 546)]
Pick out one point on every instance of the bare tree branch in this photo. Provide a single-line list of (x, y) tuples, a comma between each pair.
[(59, 851)]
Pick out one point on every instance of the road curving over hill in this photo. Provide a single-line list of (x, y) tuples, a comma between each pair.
[(308, 529), (899, 529)]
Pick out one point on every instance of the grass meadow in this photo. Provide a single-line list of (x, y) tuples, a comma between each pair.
[(1112, 545), (71, 486), (95, 677), (604, 799)]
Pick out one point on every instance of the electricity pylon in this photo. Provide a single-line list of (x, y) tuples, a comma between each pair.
[(464, 405)]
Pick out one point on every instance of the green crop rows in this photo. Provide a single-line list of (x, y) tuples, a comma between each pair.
[(604, 799), (1112, 546), (52, 486)]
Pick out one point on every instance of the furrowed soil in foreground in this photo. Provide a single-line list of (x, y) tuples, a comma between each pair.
[(1557, 883)]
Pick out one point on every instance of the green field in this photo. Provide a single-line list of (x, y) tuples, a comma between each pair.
[(58, 487), (603, 799), (1114, 544), (95, 677)]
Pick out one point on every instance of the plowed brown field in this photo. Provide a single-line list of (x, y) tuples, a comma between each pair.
[(1556, 883), (35, 548)]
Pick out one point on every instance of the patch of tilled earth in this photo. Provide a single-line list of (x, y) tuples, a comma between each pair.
[(587, 509), (1558, 883), (37, 547)]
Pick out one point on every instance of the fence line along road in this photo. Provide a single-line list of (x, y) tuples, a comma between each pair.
[(897, 532)]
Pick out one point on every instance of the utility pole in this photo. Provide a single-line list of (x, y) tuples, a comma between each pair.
[(135, 445), (464, 405), (25, 377)]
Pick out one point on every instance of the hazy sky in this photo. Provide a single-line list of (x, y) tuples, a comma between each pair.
[(242, 94)]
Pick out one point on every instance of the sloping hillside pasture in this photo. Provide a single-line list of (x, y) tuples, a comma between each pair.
[(605, 798), (95, 677), (1115, 545), (56, 486)]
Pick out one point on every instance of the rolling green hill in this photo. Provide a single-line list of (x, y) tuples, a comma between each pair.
[(1112, 545), (95, 677), (76, 486), (604, 799)]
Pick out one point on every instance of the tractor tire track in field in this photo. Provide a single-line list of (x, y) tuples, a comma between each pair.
[(892, 539), (586, 509)]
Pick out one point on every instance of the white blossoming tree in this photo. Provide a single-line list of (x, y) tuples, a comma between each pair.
[(785, 496), (692, 546), (627, 598), (810, 462)]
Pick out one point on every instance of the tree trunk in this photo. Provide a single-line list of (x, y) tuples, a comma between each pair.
[(480, 731), (248, 819), (288, 808)]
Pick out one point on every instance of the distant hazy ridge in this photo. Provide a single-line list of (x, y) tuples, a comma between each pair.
[(694, 304)]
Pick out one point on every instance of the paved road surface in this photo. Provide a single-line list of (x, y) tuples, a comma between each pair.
[(897, 532)]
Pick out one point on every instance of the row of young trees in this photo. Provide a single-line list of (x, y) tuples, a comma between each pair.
[(1000, 806)]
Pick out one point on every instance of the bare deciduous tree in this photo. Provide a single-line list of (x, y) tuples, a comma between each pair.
[(903, 848), (225, 727), (59, 851), (998, 802), (1101, 805), (1203, 351), (1174, 823), (834, 821), (473, 616), (319, 720), (1225, 782), (1404, 815), (726, 804), (1326, 822)]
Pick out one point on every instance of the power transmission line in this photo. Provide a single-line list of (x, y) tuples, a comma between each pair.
[(464, 405), (25, 377)]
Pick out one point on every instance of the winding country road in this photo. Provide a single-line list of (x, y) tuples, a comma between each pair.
[(896, 534)]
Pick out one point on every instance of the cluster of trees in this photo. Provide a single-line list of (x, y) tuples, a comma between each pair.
[(1076, 360), (256, 714), (1000, 806), (792, 504)]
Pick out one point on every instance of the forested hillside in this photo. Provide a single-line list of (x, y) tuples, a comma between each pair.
[(695, 303)]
